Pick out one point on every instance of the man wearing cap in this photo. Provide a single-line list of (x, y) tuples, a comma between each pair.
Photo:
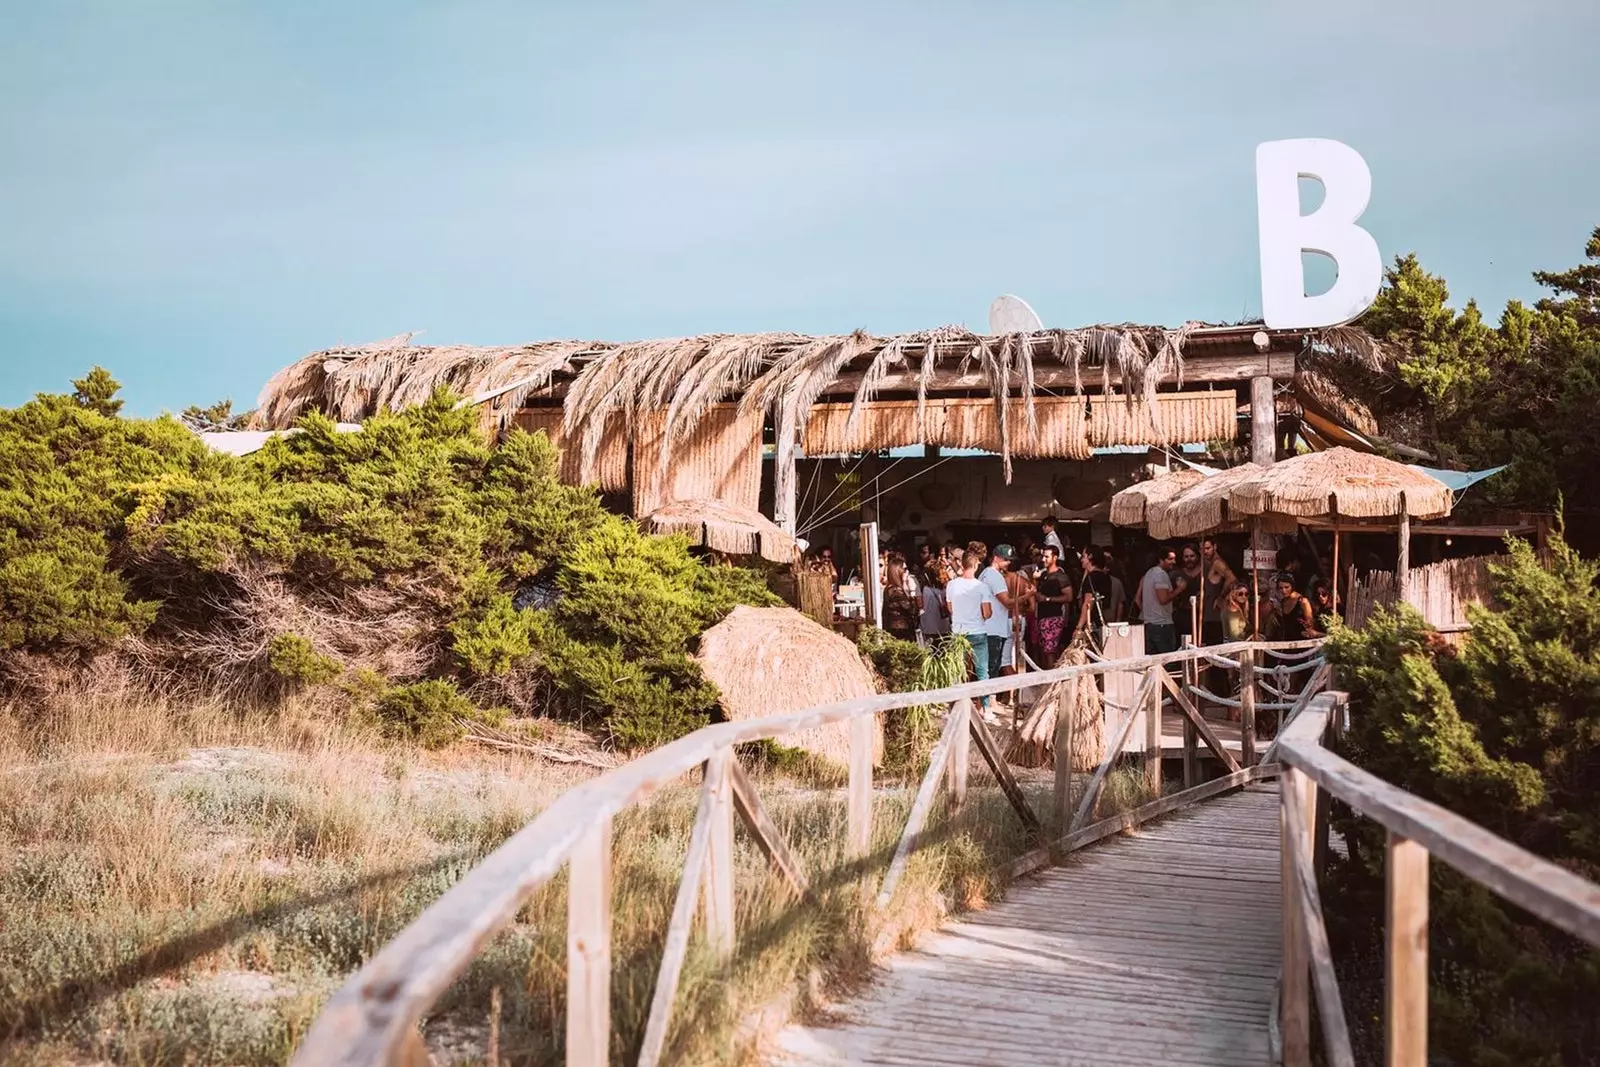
[(1002, 649)]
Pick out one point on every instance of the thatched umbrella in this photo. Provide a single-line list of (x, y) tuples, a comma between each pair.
[(1342, 483), (725, 528), (1131, 506), (1201, 508), (768, 661)]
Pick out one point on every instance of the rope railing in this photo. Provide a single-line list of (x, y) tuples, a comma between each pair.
[(372, 1019)]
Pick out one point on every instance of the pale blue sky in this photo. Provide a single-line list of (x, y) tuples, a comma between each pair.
[(195, 194)]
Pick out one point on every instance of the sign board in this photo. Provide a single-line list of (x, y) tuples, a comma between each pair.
[(1260, 559), (1331, 230)]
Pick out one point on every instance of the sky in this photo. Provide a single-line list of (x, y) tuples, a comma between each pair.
[(197, 194)]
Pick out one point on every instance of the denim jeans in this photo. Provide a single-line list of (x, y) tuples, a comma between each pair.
[(979, 644)]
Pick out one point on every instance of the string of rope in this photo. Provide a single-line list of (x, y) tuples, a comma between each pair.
[(1206, 694), (880, 493), (1302, 653), (843, 505), (805, 497), (838, 487)]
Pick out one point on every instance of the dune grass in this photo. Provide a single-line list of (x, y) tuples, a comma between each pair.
[(182, 884)]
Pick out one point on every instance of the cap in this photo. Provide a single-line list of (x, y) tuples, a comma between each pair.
[(1005, 552)]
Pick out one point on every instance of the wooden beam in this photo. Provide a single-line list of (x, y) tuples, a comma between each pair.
[(1197, 369), (1202, 727), (920, 807), (860, 789), (1086, 802), (719, 856), (1263, 421), (960, 756), (1063, 768), (678, 930), (1330, 1005), (767, 836), (1406, 987), (1247, 708), (785, 483), (1295, 1007), (1002, 773), (1402, 567), (1152, 740), (589, 950)]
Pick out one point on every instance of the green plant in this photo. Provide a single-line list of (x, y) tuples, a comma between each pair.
[(1507, 734), (429, 713), (296, 659)]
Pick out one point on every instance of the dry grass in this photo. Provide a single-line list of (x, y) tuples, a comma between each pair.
[(183, 884)]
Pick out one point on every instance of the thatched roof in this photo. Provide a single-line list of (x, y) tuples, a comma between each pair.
[(1129, 507), (768, 661), (1342, 483), (722, 527), (778, 373)]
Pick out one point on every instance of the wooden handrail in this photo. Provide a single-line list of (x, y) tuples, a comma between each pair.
[(1417, 829), (372, 1018)]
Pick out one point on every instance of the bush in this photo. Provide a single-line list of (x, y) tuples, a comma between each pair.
[(429, 713), (1507, 734), (394, 550)]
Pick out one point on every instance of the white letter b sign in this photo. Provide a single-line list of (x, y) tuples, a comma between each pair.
[(1330, 230)]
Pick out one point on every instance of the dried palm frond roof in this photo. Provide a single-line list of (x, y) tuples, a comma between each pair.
[(780, 373), (1342, 482), (723, 527), (1130, 506)]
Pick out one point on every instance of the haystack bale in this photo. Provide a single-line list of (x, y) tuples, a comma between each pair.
[(769, 661), (1035, 742)]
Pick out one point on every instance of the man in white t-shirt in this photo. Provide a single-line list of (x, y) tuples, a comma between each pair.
[(970, 608), (1051, 537), (1000, 637), (1156, 594)]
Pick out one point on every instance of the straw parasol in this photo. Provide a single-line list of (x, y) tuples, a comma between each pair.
[(1130, 507), (768, 661), (1202, 508), (723, 527), (1342, 483)]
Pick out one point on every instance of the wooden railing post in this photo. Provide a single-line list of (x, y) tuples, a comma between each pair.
[(1406, 988), (1247, 708), (860, 790), (960, 755), (1152, 739), (589, 950), (1191, 761), (1065, 712), (1295, 1005), (719, 856)]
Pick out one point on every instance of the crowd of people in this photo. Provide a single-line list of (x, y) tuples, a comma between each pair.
[(1020, 606)]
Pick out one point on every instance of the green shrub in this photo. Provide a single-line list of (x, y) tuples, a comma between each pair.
[(492, 638), (428, 713), (1507, 734), (296, 659)]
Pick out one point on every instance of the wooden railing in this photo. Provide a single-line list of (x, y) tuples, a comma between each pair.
[(1417, 829), (372, 1020)]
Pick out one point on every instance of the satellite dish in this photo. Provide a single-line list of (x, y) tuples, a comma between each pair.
[(1011, 314)]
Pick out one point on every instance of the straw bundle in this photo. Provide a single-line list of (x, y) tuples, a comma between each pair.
[(609, 471), (1129, 507), (1058, 431), (1034, 745), (1341, 483), (882, 424), (1172, 418), (768, 661), (719, 459), (722, 527)]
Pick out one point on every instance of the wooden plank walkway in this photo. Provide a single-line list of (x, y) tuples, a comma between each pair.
[(1156, 948)]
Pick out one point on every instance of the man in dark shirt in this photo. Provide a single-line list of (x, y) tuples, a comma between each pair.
[(1095, 596), (1054, 598)]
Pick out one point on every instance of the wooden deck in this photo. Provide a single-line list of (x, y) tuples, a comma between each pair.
[(1156, 948)]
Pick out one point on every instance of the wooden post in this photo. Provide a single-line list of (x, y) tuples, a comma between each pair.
[(1065, 710), (960, 755), (1295, 1005), (1335, 578), (589, 950), (1402, 567), (1247, 708), (1191, 757), (1152, 740), (785, 482), (1263, 422), (1406, 989), (719, 857), (1255, 577)]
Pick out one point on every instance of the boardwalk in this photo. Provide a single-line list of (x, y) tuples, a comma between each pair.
[(1156, 948)]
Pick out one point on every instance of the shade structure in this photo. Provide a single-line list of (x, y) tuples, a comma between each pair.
[(1130, 507), (723, 527), (1341, 483), (1205, 507)]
